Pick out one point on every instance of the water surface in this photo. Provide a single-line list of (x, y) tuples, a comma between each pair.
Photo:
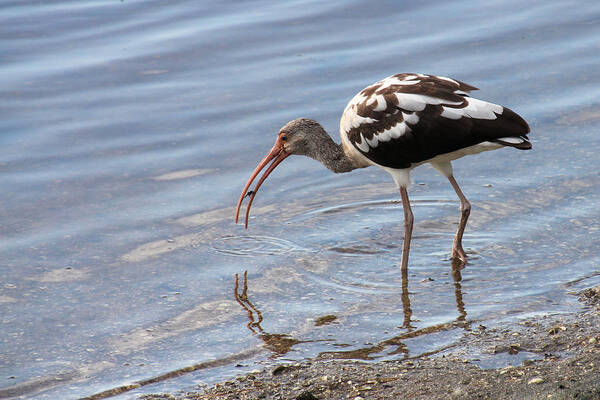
[(129, 128)]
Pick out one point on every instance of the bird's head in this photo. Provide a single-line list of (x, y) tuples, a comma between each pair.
[(299, 136)]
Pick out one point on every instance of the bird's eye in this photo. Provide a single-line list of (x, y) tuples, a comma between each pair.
[(284, 138)]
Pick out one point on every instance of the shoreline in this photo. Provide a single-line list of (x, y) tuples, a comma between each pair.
[(564, 364)]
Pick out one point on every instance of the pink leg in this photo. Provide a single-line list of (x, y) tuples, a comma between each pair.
[(458, 254), (408, 227)]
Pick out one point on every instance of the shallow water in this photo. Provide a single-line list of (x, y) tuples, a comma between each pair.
[(129, 128)]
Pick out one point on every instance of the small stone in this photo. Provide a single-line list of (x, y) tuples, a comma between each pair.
[(535, 380), (326, 319), (514, 348), (279, 369), (306, 396), (592, 340), (506, 369)]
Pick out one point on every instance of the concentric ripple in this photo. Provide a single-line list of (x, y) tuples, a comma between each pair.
[(254, 245)]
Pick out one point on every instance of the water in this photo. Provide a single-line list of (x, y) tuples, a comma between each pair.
[(129, 128)]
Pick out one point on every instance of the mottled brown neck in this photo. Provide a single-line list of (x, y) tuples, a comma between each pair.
[(331, 154)]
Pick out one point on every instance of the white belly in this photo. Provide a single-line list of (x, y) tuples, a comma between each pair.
[(453, 155)]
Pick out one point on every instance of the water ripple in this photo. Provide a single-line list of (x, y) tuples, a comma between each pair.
[(254, 245)]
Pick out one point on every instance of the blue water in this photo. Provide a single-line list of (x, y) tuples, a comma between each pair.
[(128, 129)]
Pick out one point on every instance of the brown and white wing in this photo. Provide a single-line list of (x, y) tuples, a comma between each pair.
[(410, 118)]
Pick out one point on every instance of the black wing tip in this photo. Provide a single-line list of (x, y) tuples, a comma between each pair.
[(509, 114)]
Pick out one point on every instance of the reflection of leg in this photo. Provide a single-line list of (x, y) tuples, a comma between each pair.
[(458, 254), (406, 300), (460, 305), (408, 227)]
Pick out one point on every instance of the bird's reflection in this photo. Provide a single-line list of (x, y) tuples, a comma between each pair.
[(278, 343), (243, 301), (367, 353), (460, 305)]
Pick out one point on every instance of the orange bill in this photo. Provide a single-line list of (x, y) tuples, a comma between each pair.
[(275, 156)]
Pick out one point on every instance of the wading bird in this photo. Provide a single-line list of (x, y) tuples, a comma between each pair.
[(397, 124)]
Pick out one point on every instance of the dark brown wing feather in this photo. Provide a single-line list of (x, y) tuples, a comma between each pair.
[(424, 116)]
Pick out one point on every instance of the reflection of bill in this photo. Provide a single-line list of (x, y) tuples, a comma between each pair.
[(243, 301), (278, 343)]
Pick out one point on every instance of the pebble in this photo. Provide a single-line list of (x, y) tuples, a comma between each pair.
[(306, 396), (535, 380), (506, 369), (279, 369), (592, 340)]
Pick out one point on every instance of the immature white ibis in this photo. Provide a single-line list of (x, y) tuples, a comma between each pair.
[(397, 124)]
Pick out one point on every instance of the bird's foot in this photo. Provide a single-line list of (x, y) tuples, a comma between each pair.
[(458, 257)]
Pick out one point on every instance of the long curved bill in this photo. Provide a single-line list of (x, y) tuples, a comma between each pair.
[(275, 157)]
